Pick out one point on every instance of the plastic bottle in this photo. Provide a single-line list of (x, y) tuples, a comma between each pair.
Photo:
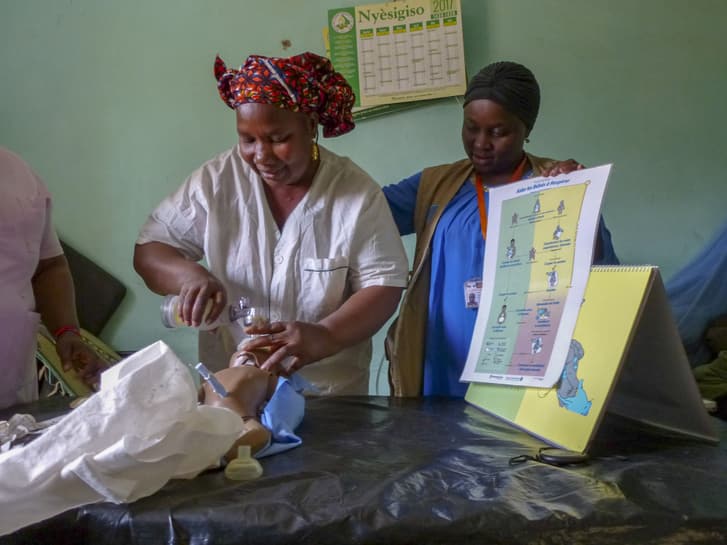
[(171, 317), (244, 467)]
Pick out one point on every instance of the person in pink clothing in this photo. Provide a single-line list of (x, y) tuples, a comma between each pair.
[(35, 285)]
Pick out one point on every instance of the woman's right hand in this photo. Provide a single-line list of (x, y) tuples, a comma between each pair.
[(166, 271), (198, 291), (562, 167)]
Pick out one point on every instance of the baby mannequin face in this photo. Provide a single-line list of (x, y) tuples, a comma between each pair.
[(248, 388)]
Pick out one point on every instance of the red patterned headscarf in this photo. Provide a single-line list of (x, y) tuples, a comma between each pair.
[(303, 83)]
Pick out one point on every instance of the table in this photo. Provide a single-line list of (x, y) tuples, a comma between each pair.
[(404, 471)]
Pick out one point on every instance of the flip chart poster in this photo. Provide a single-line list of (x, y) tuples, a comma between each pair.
[(540, 240)]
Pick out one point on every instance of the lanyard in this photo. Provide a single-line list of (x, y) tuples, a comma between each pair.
[(481, 189)]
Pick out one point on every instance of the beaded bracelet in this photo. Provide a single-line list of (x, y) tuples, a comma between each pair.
[(66, 329)]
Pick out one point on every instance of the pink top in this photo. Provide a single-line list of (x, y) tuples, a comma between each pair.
[(26, 236)]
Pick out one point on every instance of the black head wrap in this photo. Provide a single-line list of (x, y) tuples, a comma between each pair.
[(509, 84)]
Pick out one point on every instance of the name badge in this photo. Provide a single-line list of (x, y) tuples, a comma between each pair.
[(472, 291)]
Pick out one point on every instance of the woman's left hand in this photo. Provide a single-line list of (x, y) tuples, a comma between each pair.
[(294, 345), (562, 167), (76, 354)]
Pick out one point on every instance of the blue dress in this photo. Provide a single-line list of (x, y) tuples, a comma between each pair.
[(457, 254)]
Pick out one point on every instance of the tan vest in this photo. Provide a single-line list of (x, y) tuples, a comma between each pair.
[(405, 338)]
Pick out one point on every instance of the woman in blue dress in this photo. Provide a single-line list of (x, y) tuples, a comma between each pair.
[(446, 207)]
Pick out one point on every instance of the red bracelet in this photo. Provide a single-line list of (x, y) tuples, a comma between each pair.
[(66, 329)]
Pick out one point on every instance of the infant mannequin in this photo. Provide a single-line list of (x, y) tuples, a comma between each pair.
[(248, 388)]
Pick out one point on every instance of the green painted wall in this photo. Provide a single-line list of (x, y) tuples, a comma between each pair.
[(114, 103)]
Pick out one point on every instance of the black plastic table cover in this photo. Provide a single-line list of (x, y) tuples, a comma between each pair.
[(419, 471)]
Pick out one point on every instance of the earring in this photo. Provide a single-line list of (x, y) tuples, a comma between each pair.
[(314, 152)]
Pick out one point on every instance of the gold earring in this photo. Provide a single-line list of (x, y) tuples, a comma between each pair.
[(314, 152)]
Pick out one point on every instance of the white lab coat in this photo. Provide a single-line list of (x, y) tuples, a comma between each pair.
[(339, 239)]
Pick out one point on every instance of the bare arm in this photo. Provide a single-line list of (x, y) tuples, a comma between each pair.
[(165, 270), (302, 343), (362, 315), (56, 302), (54, 294)]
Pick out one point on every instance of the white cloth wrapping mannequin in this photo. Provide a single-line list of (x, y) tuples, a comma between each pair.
[(125, 442)]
